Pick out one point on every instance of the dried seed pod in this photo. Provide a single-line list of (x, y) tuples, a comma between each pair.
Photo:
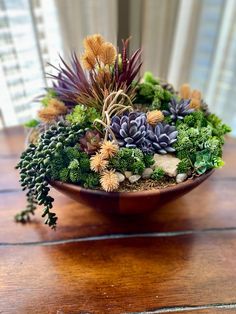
[(154, 117), (107, 53), (93, 44), (109, 180), (98, 163), (109, 149), (185, 91)]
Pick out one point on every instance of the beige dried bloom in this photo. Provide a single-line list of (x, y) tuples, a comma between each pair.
[(98, 163), (88, 60), (195, 104), (52, 111), (93, 44), (107, 53), (109, 180), (108, 149), (47, 114), (58, 105), (185, 91), (154, 117), (196, 94)]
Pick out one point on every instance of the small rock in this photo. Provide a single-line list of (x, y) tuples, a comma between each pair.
[(120, 176), (147, 173), (134, 178), (128, 174), (181, 177), (168, 163)]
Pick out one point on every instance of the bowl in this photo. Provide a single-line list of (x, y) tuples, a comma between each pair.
[(128, 202)]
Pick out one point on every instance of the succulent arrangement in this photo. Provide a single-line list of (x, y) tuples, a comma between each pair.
[(102, 127)]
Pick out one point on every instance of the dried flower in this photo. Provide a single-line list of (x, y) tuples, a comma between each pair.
[(185, 91), (52, 111), (47, 114), (88, 60), (195, 104), (93, 44), (98, 163), (154, 117), (109, 180), (108, 149), (107, 53), (195, 96), (58, 105)]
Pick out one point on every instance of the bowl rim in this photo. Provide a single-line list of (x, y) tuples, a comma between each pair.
[(180, 186)]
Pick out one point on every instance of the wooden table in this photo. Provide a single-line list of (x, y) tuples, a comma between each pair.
[(182, 258)]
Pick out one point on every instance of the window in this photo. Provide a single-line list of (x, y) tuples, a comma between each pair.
[(27, 42)]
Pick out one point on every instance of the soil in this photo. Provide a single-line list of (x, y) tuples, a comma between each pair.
[(146, 185)]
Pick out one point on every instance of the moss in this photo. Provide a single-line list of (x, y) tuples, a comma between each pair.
[(128, 159), (64, 175), (148, 160), (184, 166), (158, 174), (137, 167)]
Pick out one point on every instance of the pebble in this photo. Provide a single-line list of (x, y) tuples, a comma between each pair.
[(134, 178), (128, 174), (168, 163), (147, 173), (181, 177), (120, 176)]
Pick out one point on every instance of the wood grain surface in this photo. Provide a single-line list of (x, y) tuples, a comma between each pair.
[(181, 258)]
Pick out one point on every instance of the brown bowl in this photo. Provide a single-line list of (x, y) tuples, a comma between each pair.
[(128, 202)]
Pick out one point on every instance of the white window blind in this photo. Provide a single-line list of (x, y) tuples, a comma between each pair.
[(213, 67), (27, 39)]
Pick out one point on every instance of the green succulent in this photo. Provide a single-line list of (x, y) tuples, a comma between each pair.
[(205, 161), (83, 115)]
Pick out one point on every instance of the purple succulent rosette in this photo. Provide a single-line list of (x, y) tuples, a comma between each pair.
[(130, 129), (162, 137), (178, 109)]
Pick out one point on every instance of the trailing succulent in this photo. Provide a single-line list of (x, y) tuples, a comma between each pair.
[(101, 127), (53, 158)]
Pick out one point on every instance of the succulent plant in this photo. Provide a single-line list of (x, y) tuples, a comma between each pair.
[(178, 109), (162, 136), (167, 86), (90, 142), (130, 129), (147, 147)]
